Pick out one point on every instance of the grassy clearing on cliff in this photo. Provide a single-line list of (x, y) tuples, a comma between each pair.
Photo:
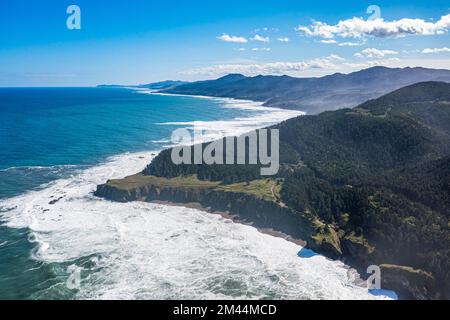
[(265, 189)]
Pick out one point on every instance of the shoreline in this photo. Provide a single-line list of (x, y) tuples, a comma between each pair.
[(358, 280), (356, 276), (258, 104), (233, 217)]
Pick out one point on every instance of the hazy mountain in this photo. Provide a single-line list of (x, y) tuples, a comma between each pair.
[(168, 84), (313, 94), (163, 85)]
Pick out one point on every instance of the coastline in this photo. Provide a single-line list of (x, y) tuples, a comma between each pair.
[(233, 217), (227, 215), (257, 104), (306, 250), (324, 250), (43, 216)]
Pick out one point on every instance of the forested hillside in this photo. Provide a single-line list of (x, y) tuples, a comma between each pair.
[(377, 175)]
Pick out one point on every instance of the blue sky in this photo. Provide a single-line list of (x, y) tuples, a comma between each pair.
[(139, 41)]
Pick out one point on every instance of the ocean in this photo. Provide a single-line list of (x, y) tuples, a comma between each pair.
[(58, 241)]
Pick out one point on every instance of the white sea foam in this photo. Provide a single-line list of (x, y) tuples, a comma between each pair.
[(143, 250), (261, 117), (40, 168)]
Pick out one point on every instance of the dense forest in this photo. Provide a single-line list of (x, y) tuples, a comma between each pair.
[(379, 172)]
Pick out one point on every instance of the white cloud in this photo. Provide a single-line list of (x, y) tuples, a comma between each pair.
[(283, 39), (261, 49), (257, 37), (436, 50), (335, 57), (375, 53), (278, 68), (227, 38), (330, 41), (358, 28), (350, 44), (308, 68), (343, 44), (390, 62)]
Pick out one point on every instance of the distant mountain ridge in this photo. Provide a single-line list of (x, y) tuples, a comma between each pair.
[(313, 95), (162, 85)]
